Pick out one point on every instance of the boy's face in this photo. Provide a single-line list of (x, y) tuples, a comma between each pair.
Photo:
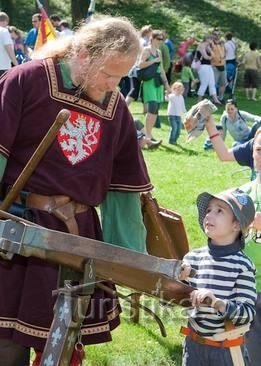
[(220, 224)]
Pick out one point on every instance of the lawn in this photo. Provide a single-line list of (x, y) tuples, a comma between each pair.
[(179, 174)]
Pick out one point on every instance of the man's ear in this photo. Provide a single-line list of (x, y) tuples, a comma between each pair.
[(83, 54)]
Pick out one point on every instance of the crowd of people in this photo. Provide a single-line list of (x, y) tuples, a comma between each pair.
[(207, 68), (23, 43), (96, 160)]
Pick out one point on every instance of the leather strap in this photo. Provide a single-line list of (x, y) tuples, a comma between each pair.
[(227, 343), (60, 206)]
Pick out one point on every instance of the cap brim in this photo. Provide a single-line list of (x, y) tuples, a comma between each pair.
[(202, 204)]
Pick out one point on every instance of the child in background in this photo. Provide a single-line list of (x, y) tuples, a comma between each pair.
[(225, 276), (176, 107), (187, 76)]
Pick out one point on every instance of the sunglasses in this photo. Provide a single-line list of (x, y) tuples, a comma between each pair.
[(231, 101), (159, 39)]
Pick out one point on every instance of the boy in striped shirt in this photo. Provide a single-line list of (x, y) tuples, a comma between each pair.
[(225, 277)]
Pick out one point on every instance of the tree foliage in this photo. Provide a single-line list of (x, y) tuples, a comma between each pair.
[(20, 11), (79, 10)]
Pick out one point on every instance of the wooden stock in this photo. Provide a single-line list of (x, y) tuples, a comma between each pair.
[(152, 284)]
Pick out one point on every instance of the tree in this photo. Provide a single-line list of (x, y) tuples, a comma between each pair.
[(8, 7), (79, 10)]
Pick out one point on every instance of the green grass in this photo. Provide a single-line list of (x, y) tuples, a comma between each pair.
[(179, 174)]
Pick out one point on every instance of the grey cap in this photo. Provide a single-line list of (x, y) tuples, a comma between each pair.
[(240, 203)]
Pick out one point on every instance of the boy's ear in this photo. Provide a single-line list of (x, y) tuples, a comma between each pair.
[(236, 226)]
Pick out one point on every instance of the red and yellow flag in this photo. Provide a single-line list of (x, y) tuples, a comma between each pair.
[(46, 31)]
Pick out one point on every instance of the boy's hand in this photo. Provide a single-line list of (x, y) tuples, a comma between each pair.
[(197, 298), (185, 272)]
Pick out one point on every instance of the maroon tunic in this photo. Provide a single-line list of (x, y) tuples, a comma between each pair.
[(95, 151)]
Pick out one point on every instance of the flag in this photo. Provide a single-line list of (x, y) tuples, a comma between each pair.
[(46, 31)]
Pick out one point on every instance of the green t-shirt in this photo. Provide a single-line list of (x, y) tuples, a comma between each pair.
[(187, 74), (253, 244)]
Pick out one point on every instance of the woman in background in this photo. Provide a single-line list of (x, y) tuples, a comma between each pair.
[(18, 39)]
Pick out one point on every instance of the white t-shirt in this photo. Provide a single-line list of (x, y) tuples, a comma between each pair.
[(176, 105), (5, 39), (230, 48), (65, 33)]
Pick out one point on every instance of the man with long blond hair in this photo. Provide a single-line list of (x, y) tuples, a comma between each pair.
[(96, 151)]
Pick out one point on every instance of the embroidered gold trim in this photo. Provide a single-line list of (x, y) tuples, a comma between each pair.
[(85, 330), (25, 328), (39, 332), (56, 94)]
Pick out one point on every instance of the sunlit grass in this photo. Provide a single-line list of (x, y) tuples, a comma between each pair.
[(179, 174)]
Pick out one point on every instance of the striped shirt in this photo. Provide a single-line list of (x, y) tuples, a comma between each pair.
[(230, 274)]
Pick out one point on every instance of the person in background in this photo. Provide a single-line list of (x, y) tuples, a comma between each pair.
[(252, 64), (31, 37), (231, 48), (65, 29), (225, 276), (7, 55), (204, 53), (236, 123), (166, 64), (17, 37), (184, 45), (218, 62), (153, 89), (231, 59), (176, 107), (94, 160), (130, 85), (242, 153), (252, 249), (145, 34), (187, 77), (56, 20), (171, 47)]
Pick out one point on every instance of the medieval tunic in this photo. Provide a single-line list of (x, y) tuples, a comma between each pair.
[(95, 151)]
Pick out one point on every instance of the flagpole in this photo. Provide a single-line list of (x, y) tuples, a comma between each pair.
[(90, 11), (40, 6)]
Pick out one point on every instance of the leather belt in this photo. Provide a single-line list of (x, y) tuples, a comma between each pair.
[(227, 343), (63, 207)]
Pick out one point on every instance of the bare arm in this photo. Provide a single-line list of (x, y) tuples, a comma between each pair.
[(9, 49), (163, 75), (223, 153), (205, 51), (144, 62)]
